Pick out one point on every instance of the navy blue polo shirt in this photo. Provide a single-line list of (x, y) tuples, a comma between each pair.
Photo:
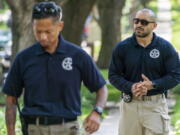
[(158, 61), (51, 82)]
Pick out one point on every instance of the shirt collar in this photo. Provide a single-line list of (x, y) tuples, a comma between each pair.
[(61, 48), (39, 49), (153, 43)]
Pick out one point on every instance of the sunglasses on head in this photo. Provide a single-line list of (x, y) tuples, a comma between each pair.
[(142, 21), (48, 9)]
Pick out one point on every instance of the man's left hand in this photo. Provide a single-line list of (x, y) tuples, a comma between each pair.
[(92, 122), (146, 82)]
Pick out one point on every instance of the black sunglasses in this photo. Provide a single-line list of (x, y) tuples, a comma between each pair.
[(142, 21)]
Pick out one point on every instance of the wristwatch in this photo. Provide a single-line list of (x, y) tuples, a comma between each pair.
[(98, 109)]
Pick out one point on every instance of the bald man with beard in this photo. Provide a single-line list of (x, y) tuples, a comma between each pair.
[(144, 67)]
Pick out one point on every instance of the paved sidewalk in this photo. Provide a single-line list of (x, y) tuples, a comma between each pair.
[(110, 124)]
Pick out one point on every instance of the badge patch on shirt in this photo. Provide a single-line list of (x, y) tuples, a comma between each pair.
[(67, 63), (154, 53)]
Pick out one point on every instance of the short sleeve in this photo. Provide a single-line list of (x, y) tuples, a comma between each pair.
[(13, 83), (91, 76)]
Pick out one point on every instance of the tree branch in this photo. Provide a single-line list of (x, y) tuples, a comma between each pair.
[(13, 4)]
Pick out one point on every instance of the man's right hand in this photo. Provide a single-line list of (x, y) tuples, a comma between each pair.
[(139, 90), (92, 122)]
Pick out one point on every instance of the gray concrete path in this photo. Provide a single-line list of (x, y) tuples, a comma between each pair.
[(110, 123)]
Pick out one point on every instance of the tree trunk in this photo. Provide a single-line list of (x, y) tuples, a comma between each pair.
[(110, 13), (21, 24), (75, 14), (1, 4)]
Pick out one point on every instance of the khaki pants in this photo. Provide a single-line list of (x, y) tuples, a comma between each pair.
[(70, 128), (144, 117)]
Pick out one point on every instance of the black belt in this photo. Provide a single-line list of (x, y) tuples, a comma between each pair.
[(47, 120), (129, 97), (150, 98)]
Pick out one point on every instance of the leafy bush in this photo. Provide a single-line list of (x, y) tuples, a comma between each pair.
[(175, 25), (176, 90), (176, 116), (114, 94)]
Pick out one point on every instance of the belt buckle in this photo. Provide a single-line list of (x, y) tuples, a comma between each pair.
[(127, 98)]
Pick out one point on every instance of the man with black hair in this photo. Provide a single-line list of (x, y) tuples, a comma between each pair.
[(144, 66), (50, 73)]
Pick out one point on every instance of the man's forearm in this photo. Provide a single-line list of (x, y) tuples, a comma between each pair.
[(10, 115), (92, 122), (101, 96), (120, 82)]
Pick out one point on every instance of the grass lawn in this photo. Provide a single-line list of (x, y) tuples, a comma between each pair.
[(114, 94), (176, 116), (176, 109)]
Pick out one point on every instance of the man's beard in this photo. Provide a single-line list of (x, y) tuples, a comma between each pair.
[(143, 35)]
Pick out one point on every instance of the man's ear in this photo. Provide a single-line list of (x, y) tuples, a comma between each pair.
[(61, 26), (155, 25)]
